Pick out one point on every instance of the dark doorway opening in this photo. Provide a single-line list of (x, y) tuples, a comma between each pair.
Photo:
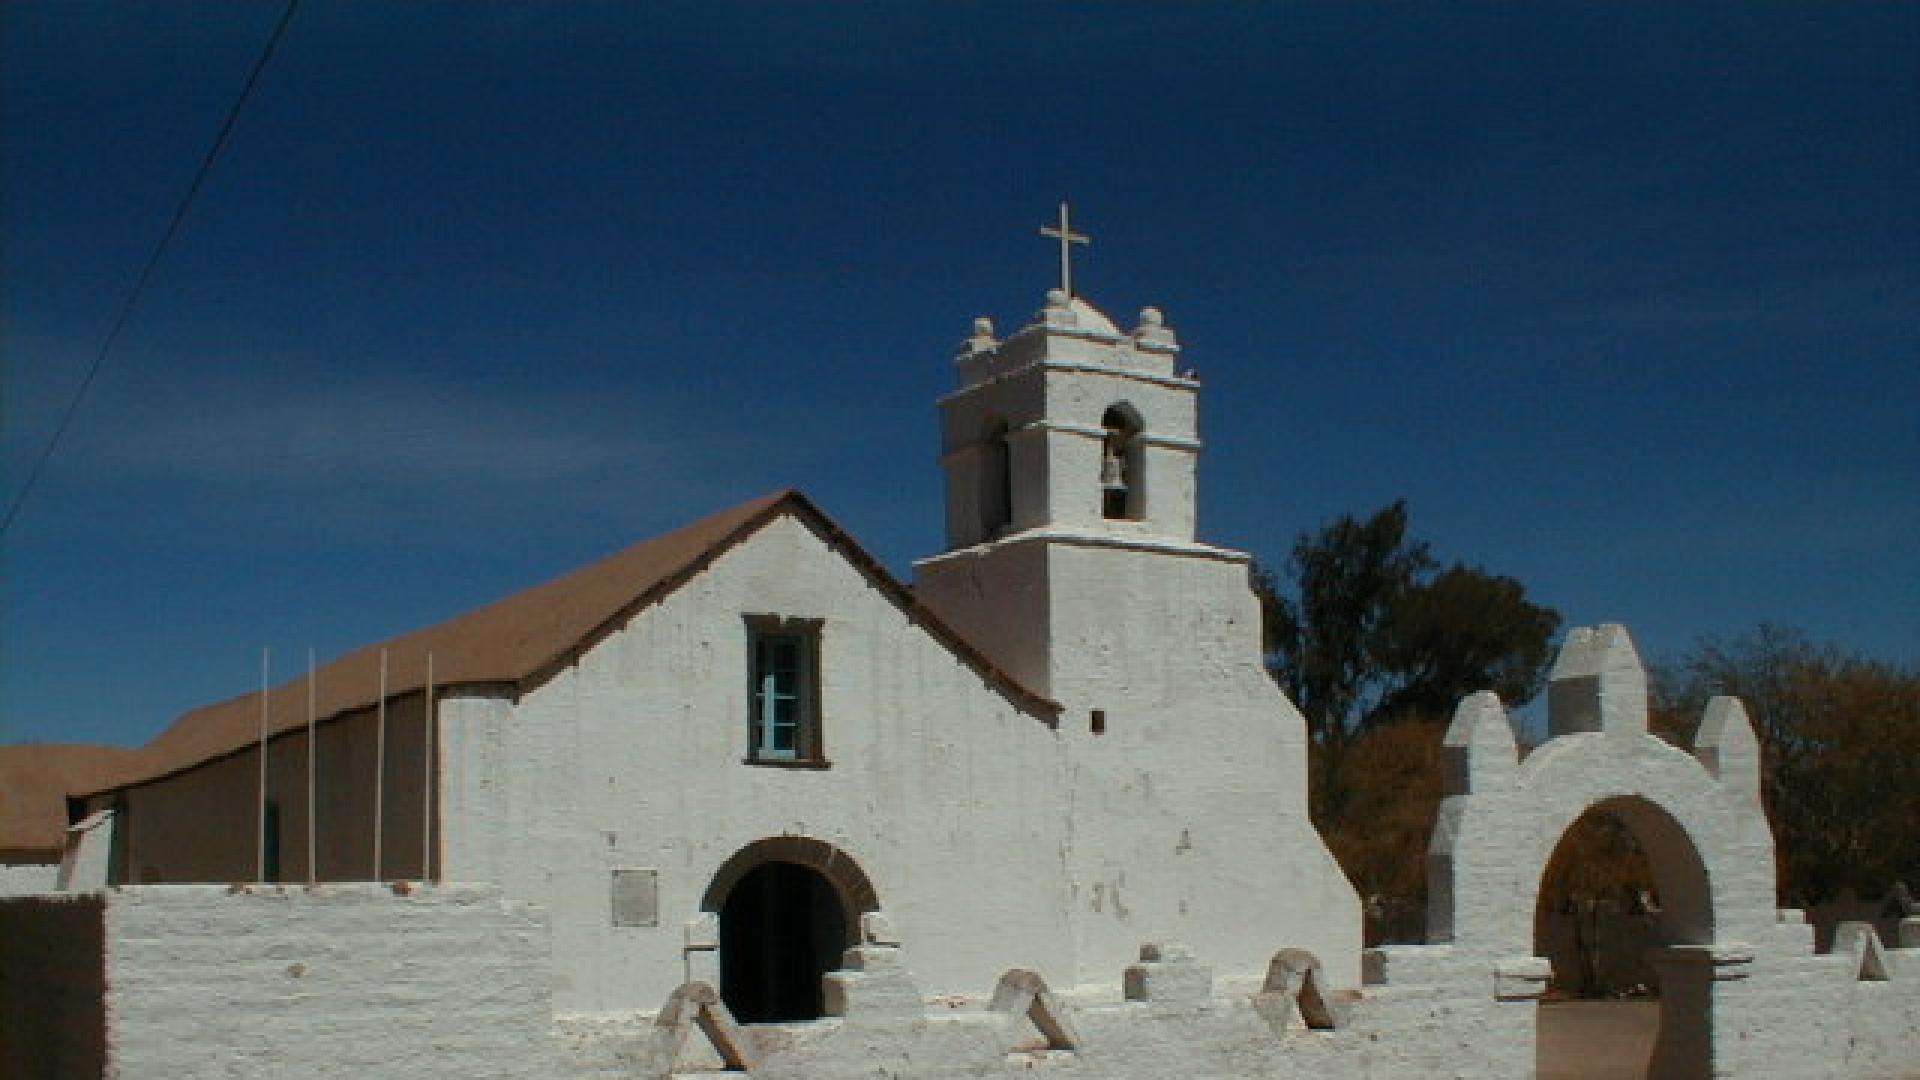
[(781, 928)]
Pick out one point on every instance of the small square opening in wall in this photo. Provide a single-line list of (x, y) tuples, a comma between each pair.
[(636, 898), (1099, 722)]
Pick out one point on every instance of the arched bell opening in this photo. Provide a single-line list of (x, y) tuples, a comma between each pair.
[(1624, 912), (1122, 465), (996, 482)]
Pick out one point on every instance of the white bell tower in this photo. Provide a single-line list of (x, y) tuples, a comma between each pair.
[(1070, 451), (1070, 424)]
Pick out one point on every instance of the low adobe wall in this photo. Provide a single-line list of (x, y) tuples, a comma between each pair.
[(19, 879), (212, 980), (1430, 1011)]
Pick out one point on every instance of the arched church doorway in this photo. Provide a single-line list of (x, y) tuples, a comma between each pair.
[(1624, 911), (789, 907), (781, 928)]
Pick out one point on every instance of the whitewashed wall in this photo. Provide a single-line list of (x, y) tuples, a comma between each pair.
[(1742, 993), (1440, 1017), (1191, 819), (20, 879), (188, 981)]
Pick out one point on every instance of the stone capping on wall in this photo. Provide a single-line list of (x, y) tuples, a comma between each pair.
[(1435, 1017), (1868, 956), (1167, 972), (1296, 994), (1023, 995), (693, 1005)]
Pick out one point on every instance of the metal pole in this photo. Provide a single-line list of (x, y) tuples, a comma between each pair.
[(426, 782), (379, 763), (313, 810), (260, 831)]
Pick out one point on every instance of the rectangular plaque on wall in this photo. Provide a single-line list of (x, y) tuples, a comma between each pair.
[(636, 898)]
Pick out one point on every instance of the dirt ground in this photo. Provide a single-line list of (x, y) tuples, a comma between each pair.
[(1596, 1040)]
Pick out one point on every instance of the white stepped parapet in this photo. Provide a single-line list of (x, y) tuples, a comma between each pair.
[(1598, 683), (1726, 745), (1480, 748)]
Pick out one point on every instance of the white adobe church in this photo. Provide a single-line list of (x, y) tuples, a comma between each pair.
[(1061, 742), (739, 781)]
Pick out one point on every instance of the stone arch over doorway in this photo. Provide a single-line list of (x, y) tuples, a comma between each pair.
[(787, 909), (1697, 814), (839, 868)]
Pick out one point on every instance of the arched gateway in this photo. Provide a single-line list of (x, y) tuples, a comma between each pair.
[(1697, 815), (788, 908)]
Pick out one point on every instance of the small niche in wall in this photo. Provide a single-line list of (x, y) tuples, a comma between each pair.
[(1098, 723), (636, 898)]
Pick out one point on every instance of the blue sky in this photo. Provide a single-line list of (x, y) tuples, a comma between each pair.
[(1624, 299)]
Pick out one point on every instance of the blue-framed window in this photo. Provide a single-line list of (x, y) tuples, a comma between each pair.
[(783, 699)]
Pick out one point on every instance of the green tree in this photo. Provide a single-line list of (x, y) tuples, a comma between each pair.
[(1394, 777), (1326, 628), (1838, 772), (1364, 628)]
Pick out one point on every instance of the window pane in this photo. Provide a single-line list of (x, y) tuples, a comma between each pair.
[(779, 684)]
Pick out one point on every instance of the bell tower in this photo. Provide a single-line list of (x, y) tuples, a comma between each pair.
[(1070, 452), (1070, 449), (1070, 424)]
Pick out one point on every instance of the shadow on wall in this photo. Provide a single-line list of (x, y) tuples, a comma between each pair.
[(53, 998)]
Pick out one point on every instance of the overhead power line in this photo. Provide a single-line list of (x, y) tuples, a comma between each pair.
[(146, 270)]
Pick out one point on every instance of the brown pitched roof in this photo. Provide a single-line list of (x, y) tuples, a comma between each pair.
[(523, 639), (35, 780)]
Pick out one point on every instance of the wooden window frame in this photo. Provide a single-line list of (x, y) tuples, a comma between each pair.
[(809, 749)]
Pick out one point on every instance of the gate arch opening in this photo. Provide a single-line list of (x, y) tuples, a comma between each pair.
[(789, 907), (1680, 914)]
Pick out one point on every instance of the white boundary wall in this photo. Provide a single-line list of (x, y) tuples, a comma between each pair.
[(243, 981), (1806, 1020), (21, 879)]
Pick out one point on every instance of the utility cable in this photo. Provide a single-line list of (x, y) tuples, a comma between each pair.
[(152, 263)]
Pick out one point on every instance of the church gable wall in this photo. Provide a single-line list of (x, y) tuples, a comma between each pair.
[(1010, 623), (945, 793)]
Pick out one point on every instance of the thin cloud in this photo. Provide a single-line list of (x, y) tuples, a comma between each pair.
[(219, 449), (389, 434)]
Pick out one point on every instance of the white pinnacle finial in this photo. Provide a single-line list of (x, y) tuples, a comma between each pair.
[(1067, 237)]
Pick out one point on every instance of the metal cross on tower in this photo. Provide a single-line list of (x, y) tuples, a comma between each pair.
[(1067, 237)]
